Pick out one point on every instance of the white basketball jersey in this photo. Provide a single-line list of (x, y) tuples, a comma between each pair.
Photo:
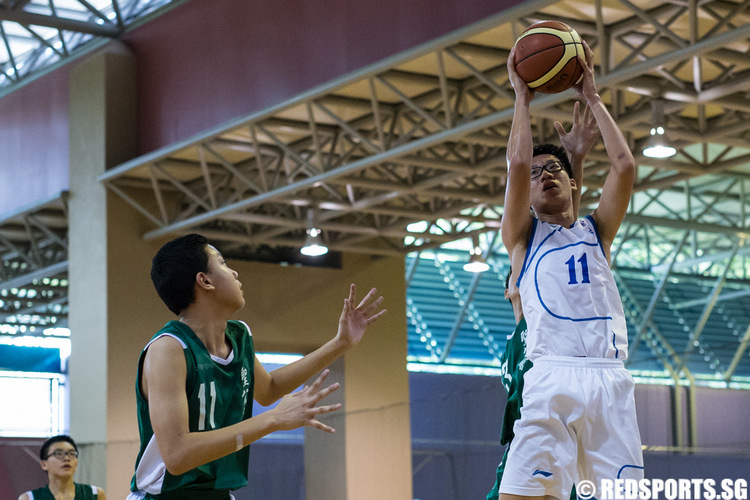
[(569, 296)]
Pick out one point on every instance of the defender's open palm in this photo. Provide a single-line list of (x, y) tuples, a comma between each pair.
[(299, 409), (583, 133), (354, 320)]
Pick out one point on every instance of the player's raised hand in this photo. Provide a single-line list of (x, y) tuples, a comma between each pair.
[(586, 86), (519, 86), (299, 409), (583, 133), (355, 318)]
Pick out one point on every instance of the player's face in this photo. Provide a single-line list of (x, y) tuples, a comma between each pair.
[(60, 467), (549, 189), (224, 279)]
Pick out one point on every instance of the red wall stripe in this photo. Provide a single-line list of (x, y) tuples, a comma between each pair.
[(206, 63), (34, 141)]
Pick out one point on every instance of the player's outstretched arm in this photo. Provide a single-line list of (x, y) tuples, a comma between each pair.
[(353, 322), (516, 221), (619, 184), (163, 384), (578, 142)]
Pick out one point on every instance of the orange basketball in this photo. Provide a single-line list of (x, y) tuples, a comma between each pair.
[(546, 57)]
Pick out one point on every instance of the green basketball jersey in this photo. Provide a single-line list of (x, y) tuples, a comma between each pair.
[(83, 492), (219, 394), (513, 367)]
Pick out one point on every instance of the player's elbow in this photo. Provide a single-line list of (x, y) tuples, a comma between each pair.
[(176, 460), (625, 172), (265, 400), (267, 397), (517, 161), (271, 392), (624, 164), (176, 465)]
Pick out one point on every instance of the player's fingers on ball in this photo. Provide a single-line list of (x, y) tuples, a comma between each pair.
[(589, 54), (511, 63), (584, 62)]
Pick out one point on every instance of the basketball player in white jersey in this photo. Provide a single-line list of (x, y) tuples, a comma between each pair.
[(577, 143), (578, 418)]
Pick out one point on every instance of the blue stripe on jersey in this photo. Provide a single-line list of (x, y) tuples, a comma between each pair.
[(526, 259), (617, 351), (596, 231), (628, 467)]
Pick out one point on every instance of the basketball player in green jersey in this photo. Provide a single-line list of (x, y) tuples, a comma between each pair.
[(514, 364), (197, 378), (59, 458)]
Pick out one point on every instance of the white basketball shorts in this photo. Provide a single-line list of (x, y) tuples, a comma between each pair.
[(577, 423)]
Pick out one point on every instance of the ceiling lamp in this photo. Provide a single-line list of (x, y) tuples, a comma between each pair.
[(476, 263), (314, 244), (656, 145)]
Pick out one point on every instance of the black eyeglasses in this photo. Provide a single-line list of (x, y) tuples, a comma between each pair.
[(550, 166), (61, 454)]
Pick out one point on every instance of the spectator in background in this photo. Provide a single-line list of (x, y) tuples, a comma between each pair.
[(59, 458)]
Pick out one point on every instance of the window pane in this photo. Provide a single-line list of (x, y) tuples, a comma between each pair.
[(32, 405)]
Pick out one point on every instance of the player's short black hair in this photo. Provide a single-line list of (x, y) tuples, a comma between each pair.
[(44, 450), (556, 151), (174, 267)]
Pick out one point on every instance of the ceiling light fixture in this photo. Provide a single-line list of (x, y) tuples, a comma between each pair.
[(476, 263), (314, 244), (656, 145)]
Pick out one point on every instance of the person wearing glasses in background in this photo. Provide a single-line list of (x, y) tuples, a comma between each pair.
[(59, 457)]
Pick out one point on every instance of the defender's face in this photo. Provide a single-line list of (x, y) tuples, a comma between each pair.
[(549, 190), (224, 279)]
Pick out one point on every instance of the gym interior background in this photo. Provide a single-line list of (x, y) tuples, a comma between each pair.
[(383, 125)]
